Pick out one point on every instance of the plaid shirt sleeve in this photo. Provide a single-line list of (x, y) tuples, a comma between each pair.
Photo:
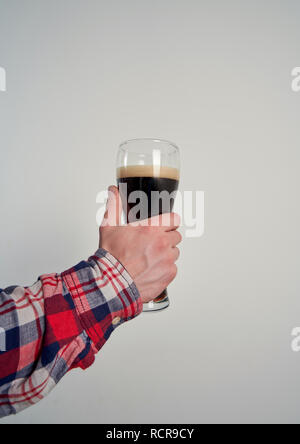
[(58, 324)]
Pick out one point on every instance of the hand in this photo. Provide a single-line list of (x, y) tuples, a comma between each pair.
[(147, 252)]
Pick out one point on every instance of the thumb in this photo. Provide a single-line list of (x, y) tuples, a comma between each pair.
[(113, 212)]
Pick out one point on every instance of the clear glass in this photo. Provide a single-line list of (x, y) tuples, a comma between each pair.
[(147, 165)]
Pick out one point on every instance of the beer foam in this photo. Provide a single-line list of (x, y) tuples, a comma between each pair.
[(148, 171)]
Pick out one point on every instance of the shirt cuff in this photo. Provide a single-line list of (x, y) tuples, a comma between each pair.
[(104, 295)]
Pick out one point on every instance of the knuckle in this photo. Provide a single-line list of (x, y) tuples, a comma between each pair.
[(170, 256), (179, 237), (177, 252), (173, 272), (170, 268), (169, 260)]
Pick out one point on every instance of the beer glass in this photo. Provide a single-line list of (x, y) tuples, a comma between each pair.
[(148, 179)]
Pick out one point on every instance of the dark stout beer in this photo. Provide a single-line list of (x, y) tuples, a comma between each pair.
[(150, 188)]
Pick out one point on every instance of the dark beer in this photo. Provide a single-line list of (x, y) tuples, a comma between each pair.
[(150, 188), (148, 178)]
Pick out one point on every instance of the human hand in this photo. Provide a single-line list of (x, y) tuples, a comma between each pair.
[(148, 251)]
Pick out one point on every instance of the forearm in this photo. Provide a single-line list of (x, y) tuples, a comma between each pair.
[(58, 324)]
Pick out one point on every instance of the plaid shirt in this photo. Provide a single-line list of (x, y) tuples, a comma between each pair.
[(58, 324)]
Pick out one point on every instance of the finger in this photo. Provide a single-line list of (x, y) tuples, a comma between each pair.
[(175, 238), (113, 212), (176, 254), (170, 222), (167, 221)]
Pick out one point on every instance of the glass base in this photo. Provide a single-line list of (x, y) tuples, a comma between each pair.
[(160, 303)]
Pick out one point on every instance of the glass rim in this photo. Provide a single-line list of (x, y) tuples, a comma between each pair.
[(148, 139)]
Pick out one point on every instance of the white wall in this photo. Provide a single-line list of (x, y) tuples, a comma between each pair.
[(214, 77)]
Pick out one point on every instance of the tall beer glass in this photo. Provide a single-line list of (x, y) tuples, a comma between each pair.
[(148, 179)]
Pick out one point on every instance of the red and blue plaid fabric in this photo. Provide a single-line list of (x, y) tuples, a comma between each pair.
[(58, 324)]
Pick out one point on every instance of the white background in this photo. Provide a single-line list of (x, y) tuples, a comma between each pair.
[(214, 77)]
